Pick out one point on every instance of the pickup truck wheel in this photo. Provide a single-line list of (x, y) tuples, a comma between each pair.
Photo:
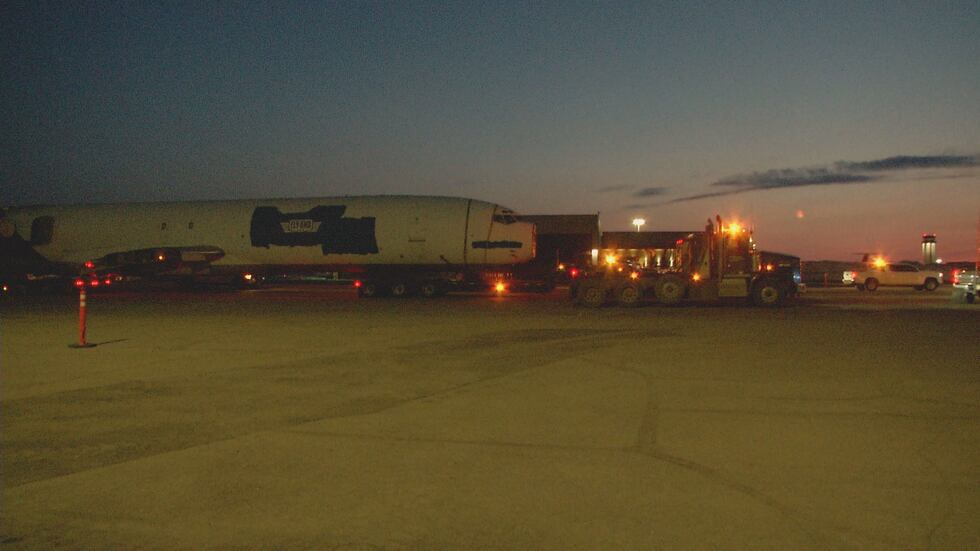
[(591, 295), (871, 284), (629, 295), (768, 293), (931, 284), (670, 289)]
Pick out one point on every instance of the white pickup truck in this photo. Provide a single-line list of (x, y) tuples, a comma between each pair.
[(894, 275)]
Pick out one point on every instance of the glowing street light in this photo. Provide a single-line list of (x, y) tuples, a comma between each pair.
[(638, 222)]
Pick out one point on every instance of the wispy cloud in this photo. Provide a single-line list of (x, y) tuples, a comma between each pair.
[(610, 189), (907, 162), (772, 179), (650, 191), (842, 172)]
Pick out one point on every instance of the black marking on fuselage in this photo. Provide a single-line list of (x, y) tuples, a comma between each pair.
[(322, 225), (497, 244)]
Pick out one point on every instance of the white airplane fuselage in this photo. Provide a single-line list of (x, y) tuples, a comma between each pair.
[(367, 232)]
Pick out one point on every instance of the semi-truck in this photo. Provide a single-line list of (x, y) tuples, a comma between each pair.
[(718, 263)]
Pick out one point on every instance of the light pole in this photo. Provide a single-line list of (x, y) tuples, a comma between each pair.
[(638, 222)]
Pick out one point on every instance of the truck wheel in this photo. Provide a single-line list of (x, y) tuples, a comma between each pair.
[(768, 293), (591, 295), (931, 284), (629, 295), (670, 289), (871, 284)]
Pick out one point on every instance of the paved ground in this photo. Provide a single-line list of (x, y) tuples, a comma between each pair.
[(304, 418)]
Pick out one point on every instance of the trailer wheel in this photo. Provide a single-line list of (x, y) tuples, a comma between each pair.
[(368, 289), (629, 295), (430, 289), (670, 289), (591, 295), (768, 293), (400, 289)]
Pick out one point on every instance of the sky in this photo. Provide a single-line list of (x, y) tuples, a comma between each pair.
[(832, 128)]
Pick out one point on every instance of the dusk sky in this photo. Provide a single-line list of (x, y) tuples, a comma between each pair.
[(833, 128)]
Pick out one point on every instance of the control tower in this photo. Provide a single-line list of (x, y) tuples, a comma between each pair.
[(928, 248)]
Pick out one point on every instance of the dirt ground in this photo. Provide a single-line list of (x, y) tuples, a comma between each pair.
[(303, 417)]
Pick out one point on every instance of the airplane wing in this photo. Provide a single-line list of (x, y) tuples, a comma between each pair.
[(157, 261)]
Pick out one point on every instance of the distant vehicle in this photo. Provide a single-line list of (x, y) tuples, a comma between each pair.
[(880, 274), (393, 245), (966, 282)]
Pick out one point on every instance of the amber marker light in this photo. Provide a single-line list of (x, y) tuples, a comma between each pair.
[(879, 262), (634, 275), (500, 287), (611, 259), (696, 276)]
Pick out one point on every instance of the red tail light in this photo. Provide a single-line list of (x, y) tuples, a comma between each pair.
[(956, 276), (107, 281), (89, 264), (357, 284), (79, 283), (94, 283), (574, 272)]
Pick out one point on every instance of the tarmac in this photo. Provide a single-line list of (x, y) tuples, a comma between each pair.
[(303, 417)]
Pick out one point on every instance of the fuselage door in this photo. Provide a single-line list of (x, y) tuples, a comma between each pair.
[(418, 233)]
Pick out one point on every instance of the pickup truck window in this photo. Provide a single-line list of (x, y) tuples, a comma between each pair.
[(902, 268)]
